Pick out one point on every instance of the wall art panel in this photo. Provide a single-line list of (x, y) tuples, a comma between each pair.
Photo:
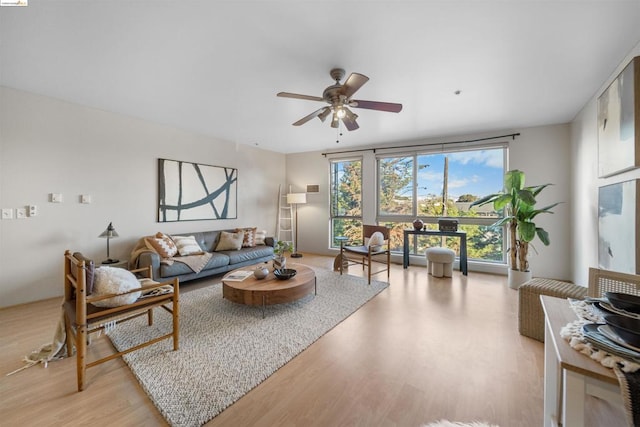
[(618, 227), (191, 191)]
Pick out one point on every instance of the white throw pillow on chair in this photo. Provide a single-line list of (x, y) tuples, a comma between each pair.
[(375, 242), (113, 280)]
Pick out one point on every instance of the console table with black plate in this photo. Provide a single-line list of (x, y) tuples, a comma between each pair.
[(462, 235)]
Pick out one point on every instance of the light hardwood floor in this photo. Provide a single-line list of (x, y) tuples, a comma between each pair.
[(424, 349)]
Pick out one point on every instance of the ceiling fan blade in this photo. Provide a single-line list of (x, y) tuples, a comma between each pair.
[(375, 105), (298, 96), (305, 119), (349, 119), (353, 83)]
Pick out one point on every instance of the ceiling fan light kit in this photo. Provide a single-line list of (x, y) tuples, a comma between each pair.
[(338, 96)]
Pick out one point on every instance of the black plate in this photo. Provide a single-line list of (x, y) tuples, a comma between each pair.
[(625, 302), (627, 328), (284, 273)]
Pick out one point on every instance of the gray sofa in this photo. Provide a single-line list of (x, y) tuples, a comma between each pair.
[(220, 262)]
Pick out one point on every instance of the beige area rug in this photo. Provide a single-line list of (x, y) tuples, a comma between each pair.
[(226, 349)]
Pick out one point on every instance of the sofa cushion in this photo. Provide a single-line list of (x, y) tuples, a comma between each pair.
[(248, 254), (178, 268), (230, 241), (162, 244), (260, 236), (187, 245), (249, 239)]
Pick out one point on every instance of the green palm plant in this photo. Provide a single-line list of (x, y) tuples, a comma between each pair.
[(519, 203)]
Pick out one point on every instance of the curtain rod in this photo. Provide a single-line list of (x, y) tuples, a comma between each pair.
[(512, 135)]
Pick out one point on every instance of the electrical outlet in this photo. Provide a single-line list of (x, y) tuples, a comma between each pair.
[(33, 210), (7, 213), (21, 213)]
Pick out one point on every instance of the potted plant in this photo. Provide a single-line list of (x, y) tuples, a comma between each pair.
[(280, 251), (519, 203)]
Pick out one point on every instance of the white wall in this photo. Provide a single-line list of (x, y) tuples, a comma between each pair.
[(50, 146), (541, 152), (585, 181)]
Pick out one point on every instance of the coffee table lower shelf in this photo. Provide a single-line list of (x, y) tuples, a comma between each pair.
[(270, 290)]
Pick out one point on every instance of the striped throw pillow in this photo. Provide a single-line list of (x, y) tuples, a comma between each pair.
[(187, 245)]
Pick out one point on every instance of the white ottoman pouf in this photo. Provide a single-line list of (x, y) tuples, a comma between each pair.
[(440, 261)]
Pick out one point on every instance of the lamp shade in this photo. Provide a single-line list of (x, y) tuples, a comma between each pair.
[(296, 198), (109, 233)]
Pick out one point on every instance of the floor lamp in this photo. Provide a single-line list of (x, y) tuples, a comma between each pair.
[(296, 199)]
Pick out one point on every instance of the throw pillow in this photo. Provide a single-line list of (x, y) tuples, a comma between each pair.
[(260, 236), (230, 241), (113, 280), (249, 239), (163, 245), (375, 242), (187, 245)]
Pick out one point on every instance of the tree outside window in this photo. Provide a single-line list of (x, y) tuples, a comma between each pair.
[(346, 200)]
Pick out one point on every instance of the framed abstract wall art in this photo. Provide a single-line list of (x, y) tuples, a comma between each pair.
[(619, 227), (192, 191), (619, 123)]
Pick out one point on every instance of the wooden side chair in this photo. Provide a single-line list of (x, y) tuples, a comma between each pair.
[(367, 253), (601, 281), (83, 318)]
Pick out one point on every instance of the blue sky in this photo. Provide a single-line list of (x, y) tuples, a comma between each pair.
[(478, 172)]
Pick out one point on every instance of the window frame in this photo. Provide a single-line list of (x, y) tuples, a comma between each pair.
[(332, 212), (433, 220)]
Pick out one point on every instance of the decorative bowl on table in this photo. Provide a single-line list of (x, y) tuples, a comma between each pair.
[(625, 327), (284, 273), (626, 302)]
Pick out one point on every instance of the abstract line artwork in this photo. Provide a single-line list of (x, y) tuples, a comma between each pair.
[(191, 191)]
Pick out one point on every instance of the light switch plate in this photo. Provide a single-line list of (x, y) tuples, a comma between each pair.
[(56, 198), (7, 213), (21, 213), (85, 198)]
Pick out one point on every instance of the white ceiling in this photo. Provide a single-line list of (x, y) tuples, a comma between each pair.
[(214, 67)]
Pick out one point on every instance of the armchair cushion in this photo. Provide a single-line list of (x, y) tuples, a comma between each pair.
[(113, 280)]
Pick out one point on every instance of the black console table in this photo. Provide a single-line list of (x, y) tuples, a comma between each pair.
[(460, 234)]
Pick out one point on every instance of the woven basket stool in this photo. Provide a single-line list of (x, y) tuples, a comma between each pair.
[(440, 261), (530, 314)]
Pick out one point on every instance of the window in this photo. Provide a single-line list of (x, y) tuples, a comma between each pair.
[(434, 185), (346, 200)]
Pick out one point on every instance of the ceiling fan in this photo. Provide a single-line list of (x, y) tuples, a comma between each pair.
[(338, 96)]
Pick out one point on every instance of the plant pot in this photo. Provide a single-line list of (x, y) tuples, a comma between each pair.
[(518, 278), (279, 263)]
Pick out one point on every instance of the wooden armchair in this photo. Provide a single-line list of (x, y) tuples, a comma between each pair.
[(367, 254), (83, 318)]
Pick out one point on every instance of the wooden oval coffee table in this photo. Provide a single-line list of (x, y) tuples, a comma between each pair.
[(270, 290)]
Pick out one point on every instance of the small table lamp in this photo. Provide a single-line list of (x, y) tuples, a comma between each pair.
[(109, 233), (295, 199)]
